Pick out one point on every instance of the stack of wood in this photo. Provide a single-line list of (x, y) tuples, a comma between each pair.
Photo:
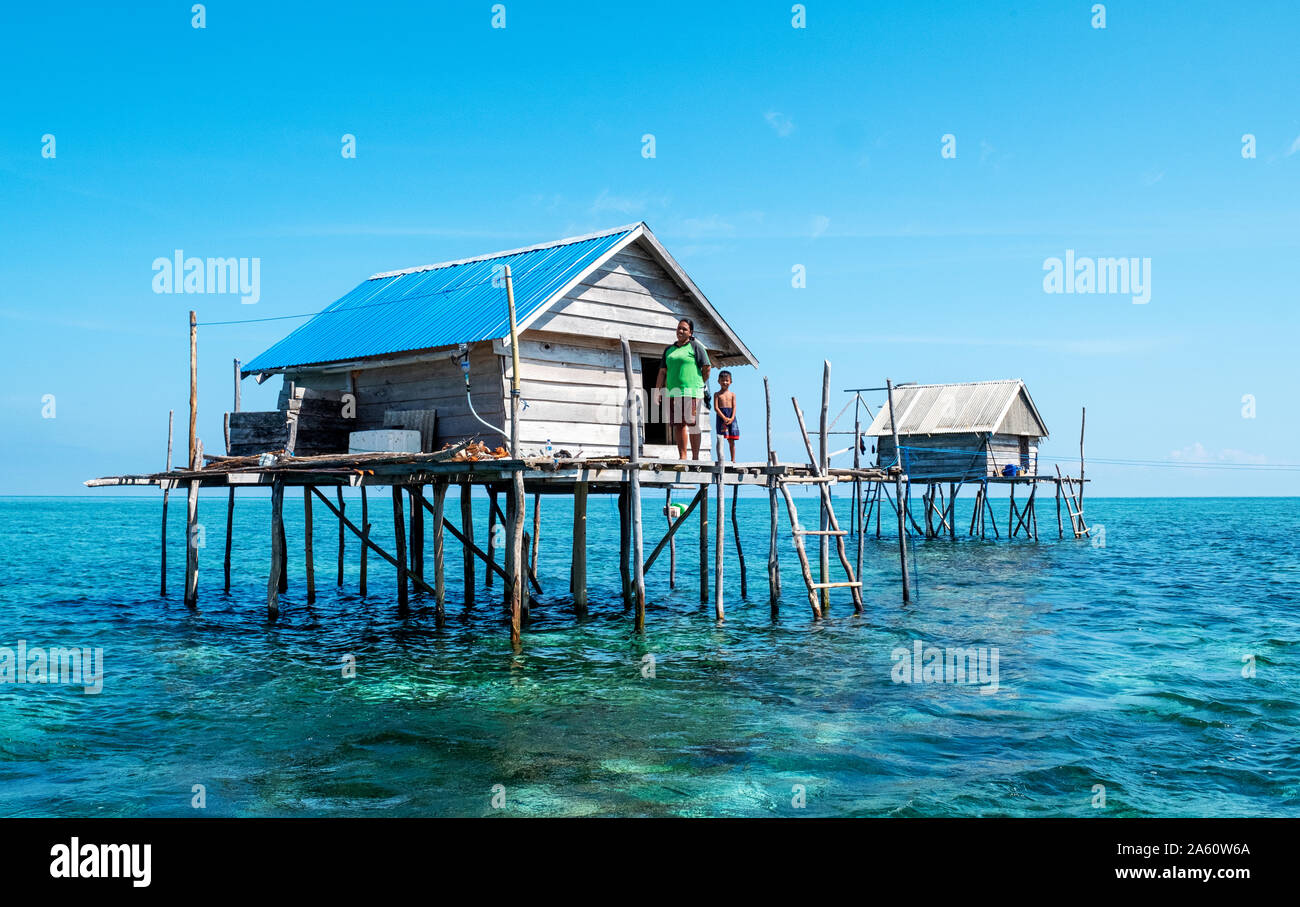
[(309, 423)]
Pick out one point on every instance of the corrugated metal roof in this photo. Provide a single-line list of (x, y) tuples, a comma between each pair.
[(936, 409), (437, 305)]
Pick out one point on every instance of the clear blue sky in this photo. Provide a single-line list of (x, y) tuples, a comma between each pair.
[(775, 146)]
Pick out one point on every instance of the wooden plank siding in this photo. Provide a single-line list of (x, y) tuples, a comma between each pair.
[(957, 456)]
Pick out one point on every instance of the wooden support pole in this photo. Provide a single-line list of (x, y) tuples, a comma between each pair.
[(624, 543), (898, 491), (634, 485), (740, 553), (467, 532), (192, 545), (822, 462), (1060, 528), (672, 542), (1083, 421), (342, 509), (704, 548), (857, 482), (718, 535), (307, 544), (773, 564), (579, 562), (416, 494), (284, 561), (236, 388), (952, 509), (365, 534), (493, 508), (439, 580), (537, 532), (171, 413), (399, 532), (194, 390), (516, 530), (277, 548), (230, 536), (370, 544)]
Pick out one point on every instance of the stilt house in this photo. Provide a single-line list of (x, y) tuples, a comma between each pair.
[(954, 432), (428, 348)]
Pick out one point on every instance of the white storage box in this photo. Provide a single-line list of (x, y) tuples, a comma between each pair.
[(384, 440)]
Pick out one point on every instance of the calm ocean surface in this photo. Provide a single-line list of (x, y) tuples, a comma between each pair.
[(1119, 665)]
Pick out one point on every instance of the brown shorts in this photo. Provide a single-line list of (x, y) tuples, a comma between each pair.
[(684, 411)]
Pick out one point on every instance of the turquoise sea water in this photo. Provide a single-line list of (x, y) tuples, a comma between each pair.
[(1119, 666)]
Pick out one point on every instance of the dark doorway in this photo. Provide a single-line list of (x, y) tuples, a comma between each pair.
[(656, 425)]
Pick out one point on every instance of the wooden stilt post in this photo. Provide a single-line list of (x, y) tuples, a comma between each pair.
[(1011, 512), (365, 531), (192, 544), (342, 507), (704, 548), (823, 461), (194, 390), (439, 582), (672, 541), (898, 491), (230, 535), (579, 562), (773, 564), (277, 547), (399, 532), (624, 543), (740, 553), (307, 544), (491, 545), (857, 481), (952, 510), (416, 495), (1060, 528), (634, 484), (718, 533), (284, 561), (467, 530), (162, 572), (537, 533), (1083, 421), (516, 530)]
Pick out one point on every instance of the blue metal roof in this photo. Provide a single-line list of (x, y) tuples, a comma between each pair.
[(438, 305)]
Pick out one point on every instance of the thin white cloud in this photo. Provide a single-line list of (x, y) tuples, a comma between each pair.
[(625, 204), (780, 123), (1295, 146), (820, 224)]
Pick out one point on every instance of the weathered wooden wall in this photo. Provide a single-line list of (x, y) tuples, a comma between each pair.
[(954, 456)]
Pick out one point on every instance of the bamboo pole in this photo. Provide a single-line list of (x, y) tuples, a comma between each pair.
[(277, 547), (439, 578), (1083, 421), (399, 532), (162, 573), (307, 544), (579, 560), (236, 386), (634, 484), (624, 543), (898, 492), (773, 564)]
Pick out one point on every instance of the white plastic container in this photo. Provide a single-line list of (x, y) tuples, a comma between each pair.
[(384, 440)]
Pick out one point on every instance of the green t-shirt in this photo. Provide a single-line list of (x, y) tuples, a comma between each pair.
[(684, 376)]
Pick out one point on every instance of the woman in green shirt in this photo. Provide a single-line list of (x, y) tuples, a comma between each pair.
[(685, 373)]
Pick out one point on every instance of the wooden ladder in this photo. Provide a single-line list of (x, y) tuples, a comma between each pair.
[(1079, 527)]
